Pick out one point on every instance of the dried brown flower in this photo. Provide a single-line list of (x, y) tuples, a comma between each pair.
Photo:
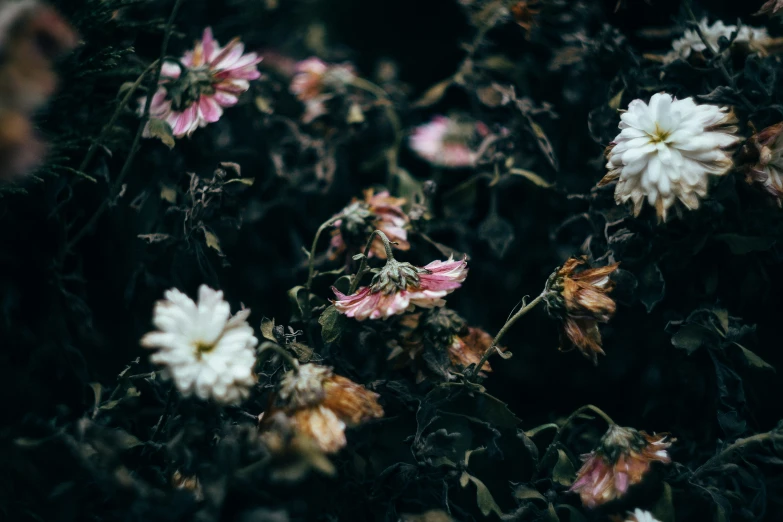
[(321, 405), (622, 458), (31, 36), (577, 296), (763, 158)]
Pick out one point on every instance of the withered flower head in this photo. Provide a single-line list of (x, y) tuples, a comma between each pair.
[(293, 453), (525, 12), (321, 404), (621, 459), (577, 296), (378, 211), (31, 37), (399, 287), (439, 340), (763, 154), (315, 82)]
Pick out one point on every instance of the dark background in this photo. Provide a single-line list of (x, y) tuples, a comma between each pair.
[(71, 318)]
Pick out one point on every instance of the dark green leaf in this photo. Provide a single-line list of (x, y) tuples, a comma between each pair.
[(332, 323), (563, 473)]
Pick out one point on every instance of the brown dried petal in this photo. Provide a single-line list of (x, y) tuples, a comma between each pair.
[(351, 402)]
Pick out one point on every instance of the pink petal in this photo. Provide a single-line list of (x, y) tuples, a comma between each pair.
[(210, 109), (208, 44)]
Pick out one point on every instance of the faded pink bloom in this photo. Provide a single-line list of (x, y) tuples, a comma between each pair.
[(622, 458), (378, 211), (448, 143), (213, 78), (315, 82), (399, 287)]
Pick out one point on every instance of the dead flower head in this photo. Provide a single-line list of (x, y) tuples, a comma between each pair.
[(622, 458), (321, 404), (379, 211), (577, 297), (440, 341), (763, 154)]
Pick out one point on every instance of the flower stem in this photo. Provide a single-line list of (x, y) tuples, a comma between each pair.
[(391, 115), (117, 185), (553, 445), (324, 226), (738, 445), (363, 265), (279, 350), (506, 327)]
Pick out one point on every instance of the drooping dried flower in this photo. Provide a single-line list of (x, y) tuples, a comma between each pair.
[(667, 150), (315, 82), (193, 92), (205, 350), (321, 404), (764, 152), (378, 211), (439, 341), (293, 454), (691, 42), (771, 8), (577, 297), (399, 287), (622, 458), (525, 12), (446, 142), (31, 37)]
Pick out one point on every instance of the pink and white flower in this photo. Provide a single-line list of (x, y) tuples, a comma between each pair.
[(400, 287), (193, 92), (316, 81), (378, 211), (446, 142), (622, 459)]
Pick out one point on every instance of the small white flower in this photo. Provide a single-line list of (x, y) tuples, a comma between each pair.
[(692, 42), (640, 515), (206, 351), (666, 150)]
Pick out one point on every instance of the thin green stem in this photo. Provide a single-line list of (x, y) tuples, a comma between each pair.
[(363, 265), (117, 185), (506, 327), (556, 440), (738, 445), (324, 226), (391, 115), (117, 112), (274, 347)]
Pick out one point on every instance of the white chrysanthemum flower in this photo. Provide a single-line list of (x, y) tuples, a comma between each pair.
[(640, 515), (666, 151), (691, 41), (205, 350)]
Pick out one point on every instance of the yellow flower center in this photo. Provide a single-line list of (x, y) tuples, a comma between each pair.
[(660, 135)]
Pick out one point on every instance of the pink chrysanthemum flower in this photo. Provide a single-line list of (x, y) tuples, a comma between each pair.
[(315, 82), (213, 78), (621, 460), (378, 211), (446, 142), (399, 287)]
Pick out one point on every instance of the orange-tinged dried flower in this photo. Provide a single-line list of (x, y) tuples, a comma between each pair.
[(321, 404), (577, 296), (315, 82), (31, 37), (764, 155), (525, 12), (379, 211), (622, 458), (440, 341)]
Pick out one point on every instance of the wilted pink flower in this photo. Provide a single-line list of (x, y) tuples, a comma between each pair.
[(401, 286), (315, 82), (213, 78), (621, 459), (763, 155), (378, 211), (446, 142)]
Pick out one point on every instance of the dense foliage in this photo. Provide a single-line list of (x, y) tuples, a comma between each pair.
[(473, 130)]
